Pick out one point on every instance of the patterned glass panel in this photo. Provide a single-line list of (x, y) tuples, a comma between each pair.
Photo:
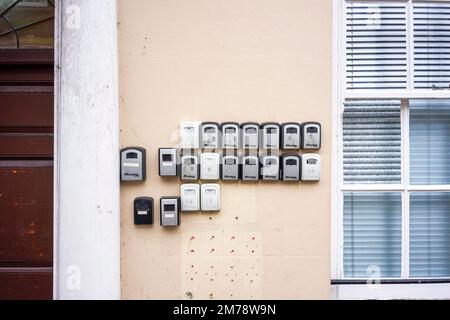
[(26, 24)]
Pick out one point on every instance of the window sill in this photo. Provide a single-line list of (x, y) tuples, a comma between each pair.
[(391, 291)]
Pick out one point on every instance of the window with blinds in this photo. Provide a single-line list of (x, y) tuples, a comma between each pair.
[(431, 45), (376, 48), (430, 234), (396, 206), (372, 141), (372, 234)]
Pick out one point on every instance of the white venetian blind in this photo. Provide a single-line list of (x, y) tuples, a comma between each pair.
[(430, 234), (431, 45), (376, 48), (372, 234), (429, 135), (372, 141)]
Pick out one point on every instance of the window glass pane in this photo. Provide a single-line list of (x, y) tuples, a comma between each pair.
[(37, 36), (429, 142), (430, 234), (372, 141), (7, 39), (372, 234), (376, 45), (5, 3), (431, 45), (27, 12), (26, 24)]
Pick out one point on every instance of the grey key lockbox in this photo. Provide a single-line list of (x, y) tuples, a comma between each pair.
[(291, 136), (270, 135), (311, 135), (250, 168), (189, 166), (230, 166), (290, 167), (210, 135), (132, 164), (270, 167), (230, 135), (168, 162), (143, 210), (250, 135), (170, 211)]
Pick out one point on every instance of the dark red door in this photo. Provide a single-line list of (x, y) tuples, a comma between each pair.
[(26, 174)]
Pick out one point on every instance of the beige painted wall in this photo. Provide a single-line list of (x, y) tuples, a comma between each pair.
[(233, 60)]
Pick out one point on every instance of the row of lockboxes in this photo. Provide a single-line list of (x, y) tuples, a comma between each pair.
[(191, 166), (194, 197), (250, 135), (231, 166)]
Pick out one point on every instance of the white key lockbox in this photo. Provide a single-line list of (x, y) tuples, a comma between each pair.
[(310, 167), (189, 135), (190, 197), (209, 166), (210, 197)]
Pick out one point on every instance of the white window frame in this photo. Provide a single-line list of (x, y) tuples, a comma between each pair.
[(397, 290)]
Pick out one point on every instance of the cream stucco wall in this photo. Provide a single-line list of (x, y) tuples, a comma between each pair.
[(233, 60)]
